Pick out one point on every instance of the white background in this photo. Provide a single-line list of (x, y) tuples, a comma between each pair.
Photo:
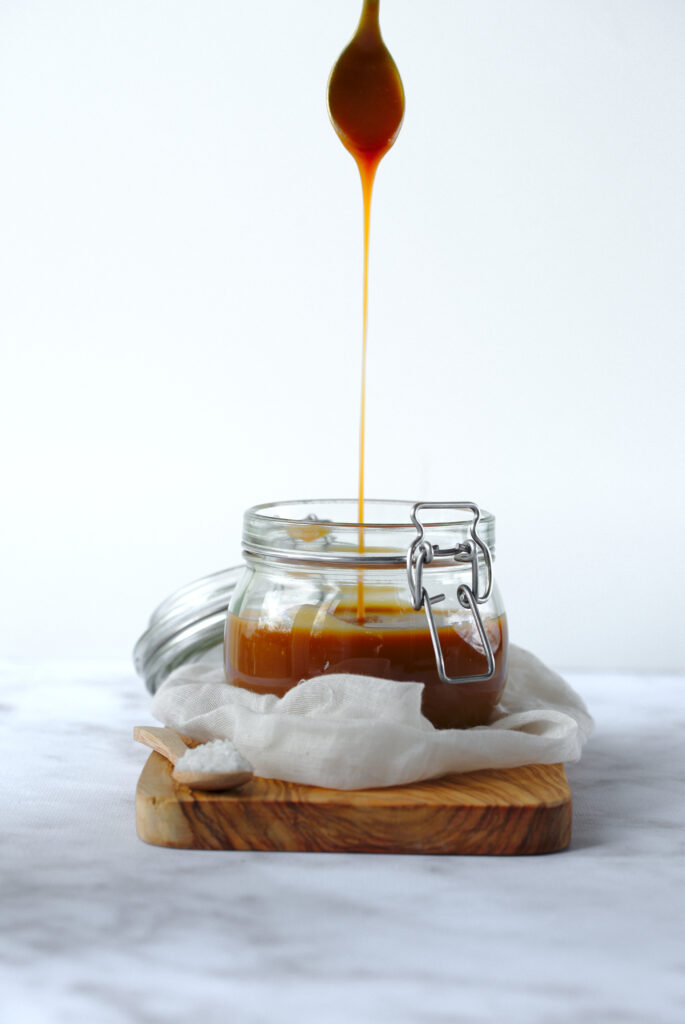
[(180, 275)]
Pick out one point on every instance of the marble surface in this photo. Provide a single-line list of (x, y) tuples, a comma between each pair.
[(95, 926)]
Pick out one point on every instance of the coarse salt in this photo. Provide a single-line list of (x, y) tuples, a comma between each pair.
[(215, 756)]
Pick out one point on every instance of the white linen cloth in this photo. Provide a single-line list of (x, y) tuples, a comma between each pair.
[(358, 732)]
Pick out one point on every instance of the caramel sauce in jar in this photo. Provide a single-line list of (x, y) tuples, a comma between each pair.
[(294, 616), (273, 660)]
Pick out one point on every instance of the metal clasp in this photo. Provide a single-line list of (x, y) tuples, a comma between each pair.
[(421, 552)]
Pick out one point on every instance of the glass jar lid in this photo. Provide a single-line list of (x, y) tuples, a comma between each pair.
[(324, 532), (187, 623)]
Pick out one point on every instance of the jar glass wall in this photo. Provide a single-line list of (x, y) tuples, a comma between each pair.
[(322, 594)]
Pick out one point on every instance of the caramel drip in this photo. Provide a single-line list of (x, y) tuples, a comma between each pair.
[(366, 106), (368, 173)]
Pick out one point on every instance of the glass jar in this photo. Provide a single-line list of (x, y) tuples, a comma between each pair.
[(408, 595)]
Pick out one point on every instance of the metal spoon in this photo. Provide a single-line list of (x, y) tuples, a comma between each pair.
[(365, 93), (170, 745)]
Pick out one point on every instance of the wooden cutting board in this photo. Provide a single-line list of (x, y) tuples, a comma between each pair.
[(513, 811)]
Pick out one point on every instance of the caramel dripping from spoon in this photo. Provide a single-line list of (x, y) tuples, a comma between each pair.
[(366, 107)]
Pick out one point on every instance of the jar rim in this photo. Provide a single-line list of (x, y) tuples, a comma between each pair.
[(258, 511), (288, 531)]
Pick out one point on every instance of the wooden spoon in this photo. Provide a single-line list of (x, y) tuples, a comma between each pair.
[(170, 745)]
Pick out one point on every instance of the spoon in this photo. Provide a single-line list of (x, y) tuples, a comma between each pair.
[(170, 745), (365, 94)]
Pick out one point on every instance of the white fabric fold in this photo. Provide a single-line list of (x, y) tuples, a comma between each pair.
[(359, 732)]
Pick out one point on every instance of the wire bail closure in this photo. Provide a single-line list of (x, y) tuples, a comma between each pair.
[(421, 552)]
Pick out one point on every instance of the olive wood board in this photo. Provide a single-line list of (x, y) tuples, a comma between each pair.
[(505, 811)]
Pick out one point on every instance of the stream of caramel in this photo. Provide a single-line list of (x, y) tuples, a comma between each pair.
[(366, 106)]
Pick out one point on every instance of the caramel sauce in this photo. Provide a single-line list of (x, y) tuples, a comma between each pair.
[(379, 637), (366, 106), (268, 659)]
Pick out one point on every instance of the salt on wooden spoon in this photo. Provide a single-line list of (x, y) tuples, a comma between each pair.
[(170, 745)]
